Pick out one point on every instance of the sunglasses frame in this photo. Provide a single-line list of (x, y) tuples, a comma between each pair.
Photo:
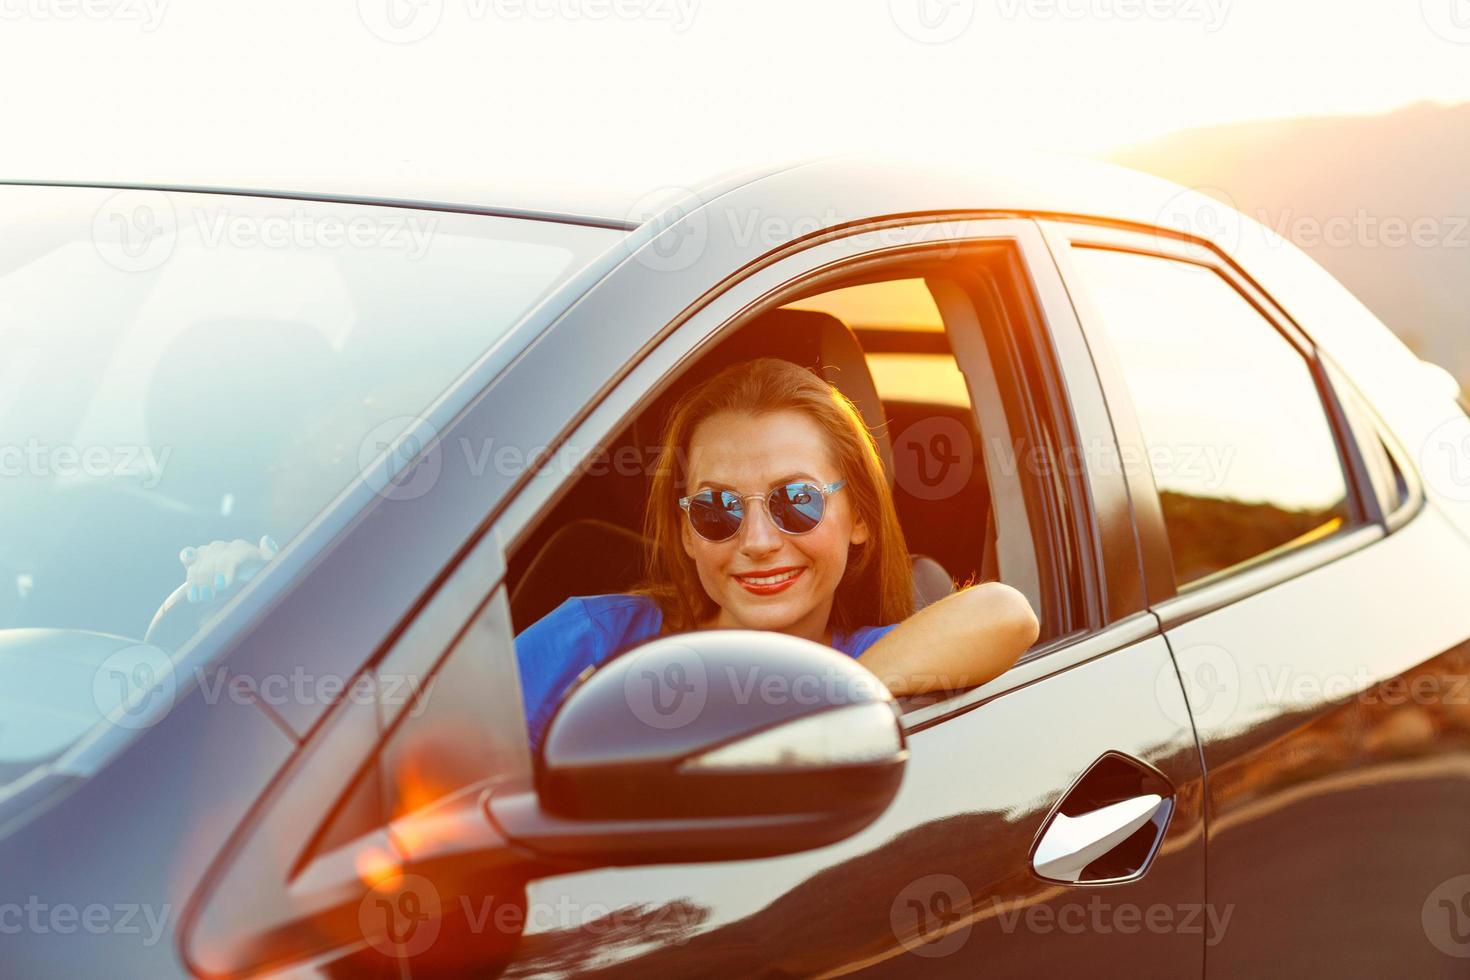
[(825, 489)]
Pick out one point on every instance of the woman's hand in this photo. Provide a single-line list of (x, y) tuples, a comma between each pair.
[(959, 642), (212, 568)]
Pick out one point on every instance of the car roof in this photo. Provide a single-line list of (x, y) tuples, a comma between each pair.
[(999, 181)]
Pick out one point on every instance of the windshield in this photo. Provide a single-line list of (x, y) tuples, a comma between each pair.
[(177, 369)]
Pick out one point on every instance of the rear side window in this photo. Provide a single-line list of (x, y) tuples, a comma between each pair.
[(1238, 439)]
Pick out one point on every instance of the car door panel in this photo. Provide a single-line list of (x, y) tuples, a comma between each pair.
[(941, 884), (1326, 677), (1334, 717)]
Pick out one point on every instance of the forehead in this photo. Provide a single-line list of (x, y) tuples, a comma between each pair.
[(755, 452)]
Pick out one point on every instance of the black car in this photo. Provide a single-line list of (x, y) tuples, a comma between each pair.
[(1239, 506)]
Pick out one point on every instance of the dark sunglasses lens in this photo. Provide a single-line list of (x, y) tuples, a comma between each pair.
[(797, 507), (715, 516)]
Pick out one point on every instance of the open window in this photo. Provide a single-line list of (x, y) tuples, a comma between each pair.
[(937, 350)]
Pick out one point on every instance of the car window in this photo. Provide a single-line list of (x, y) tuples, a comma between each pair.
[(898, 344), (181, 368), (939, 483), (1238, 438)]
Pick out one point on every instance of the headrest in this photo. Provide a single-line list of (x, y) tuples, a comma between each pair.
[(828, 346)]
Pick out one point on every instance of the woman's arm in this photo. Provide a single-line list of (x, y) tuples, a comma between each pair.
[(961, 641)]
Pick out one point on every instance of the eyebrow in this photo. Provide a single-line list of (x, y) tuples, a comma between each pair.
[(716, 485)]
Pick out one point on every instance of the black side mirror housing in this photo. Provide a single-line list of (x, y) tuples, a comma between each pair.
[(713, 745)]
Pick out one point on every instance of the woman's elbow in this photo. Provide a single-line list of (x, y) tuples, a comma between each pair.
[(1013, 619)]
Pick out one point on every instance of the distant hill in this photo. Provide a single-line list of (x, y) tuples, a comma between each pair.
[(1352, 191)]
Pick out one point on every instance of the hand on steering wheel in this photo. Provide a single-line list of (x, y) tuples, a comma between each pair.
[(210, 572), (211, 569)]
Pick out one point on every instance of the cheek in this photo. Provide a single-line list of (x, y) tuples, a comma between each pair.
[(827, 546)]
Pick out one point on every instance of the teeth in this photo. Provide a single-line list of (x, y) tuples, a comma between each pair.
[(771, 579)]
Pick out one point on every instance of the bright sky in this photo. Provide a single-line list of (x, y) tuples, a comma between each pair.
[(649, 92)]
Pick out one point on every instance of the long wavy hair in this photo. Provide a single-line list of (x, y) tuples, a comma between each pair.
[(876, 589)]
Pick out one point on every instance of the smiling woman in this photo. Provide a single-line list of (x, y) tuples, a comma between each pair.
[(769, 510)]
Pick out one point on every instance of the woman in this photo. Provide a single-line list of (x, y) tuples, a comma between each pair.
[(769, 509)]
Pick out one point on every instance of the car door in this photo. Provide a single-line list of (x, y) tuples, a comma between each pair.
[(1311, 601), (1048, 821)]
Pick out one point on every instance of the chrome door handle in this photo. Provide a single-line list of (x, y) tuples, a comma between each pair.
[(1070, 844)]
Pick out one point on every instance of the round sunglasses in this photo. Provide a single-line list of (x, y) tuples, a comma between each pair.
[(796, 508)]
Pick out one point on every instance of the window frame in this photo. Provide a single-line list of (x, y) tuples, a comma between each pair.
[(1368, 523), (1075, 402)]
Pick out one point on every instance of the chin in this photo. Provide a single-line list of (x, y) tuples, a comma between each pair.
[(766, 616)]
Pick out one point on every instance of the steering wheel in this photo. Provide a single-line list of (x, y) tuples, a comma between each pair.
[(177, 618)]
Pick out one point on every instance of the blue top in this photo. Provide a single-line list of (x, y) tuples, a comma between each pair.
[(586, 631)]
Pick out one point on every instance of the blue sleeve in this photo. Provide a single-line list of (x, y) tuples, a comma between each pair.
[(864, 637), (550, 654)]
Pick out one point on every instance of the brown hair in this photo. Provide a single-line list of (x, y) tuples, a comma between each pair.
[(876, 589)]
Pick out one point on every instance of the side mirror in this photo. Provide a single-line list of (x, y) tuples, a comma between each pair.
[(716, 745)]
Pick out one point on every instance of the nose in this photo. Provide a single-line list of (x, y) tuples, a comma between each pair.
[(758, 536)]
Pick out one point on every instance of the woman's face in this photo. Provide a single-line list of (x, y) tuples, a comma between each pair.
[(752, 454)]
